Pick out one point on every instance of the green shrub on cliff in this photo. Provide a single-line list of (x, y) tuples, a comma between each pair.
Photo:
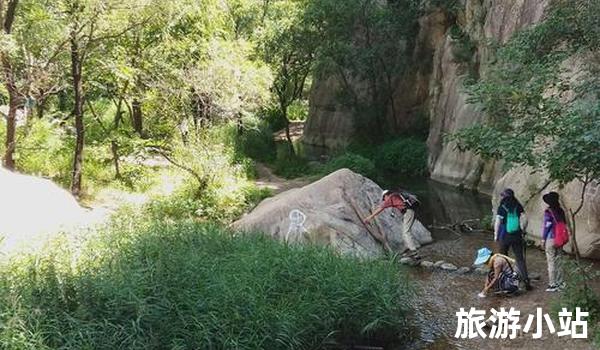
[(541, 99), (580, 293)]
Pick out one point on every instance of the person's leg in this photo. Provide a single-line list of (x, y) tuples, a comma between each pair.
[(407, 223), (503, 245), (551, 259), (558, 263), (517, 243)]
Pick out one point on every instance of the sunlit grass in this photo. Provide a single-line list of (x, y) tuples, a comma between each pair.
[(150, 285)]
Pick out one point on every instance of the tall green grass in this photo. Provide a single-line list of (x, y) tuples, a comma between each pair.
[(151, 285)]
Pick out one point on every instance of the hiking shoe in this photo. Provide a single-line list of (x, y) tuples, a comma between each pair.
[(552, 288)]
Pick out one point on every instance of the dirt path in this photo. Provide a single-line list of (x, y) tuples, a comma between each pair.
[(267, 179)]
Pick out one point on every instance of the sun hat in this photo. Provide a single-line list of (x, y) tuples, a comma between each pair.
[(483, 255), (551, 198), (384, 193)]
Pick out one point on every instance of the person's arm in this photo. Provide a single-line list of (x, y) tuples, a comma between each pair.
[(497, 271), (497, 224), (374, 214), (547, 226), (500, 215)]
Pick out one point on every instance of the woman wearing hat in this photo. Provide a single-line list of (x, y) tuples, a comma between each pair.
[(508, 232), (502, 277), (553, 213)]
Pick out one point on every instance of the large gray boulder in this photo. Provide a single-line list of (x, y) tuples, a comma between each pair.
[(327, 212)]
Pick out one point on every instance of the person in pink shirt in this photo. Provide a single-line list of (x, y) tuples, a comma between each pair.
[(405, 203)]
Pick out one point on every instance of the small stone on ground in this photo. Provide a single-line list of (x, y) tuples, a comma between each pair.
[(448, 267), (427, 264), (463, 270)]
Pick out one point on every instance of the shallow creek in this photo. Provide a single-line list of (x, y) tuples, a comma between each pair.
[(441, 294)]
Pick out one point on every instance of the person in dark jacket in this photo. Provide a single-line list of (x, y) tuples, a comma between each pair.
[(509, 233), (554, 213)]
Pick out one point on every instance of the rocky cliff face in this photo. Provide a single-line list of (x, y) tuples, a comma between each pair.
[(482, 22), (435, 87)]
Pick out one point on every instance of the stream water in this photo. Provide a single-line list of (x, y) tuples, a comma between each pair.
[(441, 294)]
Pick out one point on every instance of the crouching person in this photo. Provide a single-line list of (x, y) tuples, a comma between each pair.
[(502, 278)]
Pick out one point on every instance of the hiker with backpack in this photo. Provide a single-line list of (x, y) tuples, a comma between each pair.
[(502, 278), (508, 231), (554, 236), (406, 203)]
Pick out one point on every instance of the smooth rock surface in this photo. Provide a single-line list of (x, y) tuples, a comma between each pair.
[(323, 213), (31, 209)]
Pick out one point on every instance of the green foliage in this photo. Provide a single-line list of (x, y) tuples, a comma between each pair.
[(216, 184), (45, 150), (367, 43), (463, 48), (256, 141), (291, 166), (354, 162), (403, 156), (537, 115), (151, 285), (580, 293), (298, 110), (453, 7)]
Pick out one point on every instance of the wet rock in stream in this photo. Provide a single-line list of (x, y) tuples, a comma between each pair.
[(439, 263), (427, 264), (463, 270), (448, 267)]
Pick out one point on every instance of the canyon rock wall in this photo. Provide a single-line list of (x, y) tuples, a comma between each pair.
[(434, 89)]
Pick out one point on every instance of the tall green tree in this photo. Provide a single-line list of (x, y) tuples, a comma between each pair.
[(289, 46)]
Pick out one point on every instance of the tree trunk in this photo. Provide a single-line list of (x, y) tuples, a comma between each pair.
[(114, 147), (9, 82), (574, 236), (76, 65), (41, 107), (287, 133), (136, 117), (573, 214), (11, 128)]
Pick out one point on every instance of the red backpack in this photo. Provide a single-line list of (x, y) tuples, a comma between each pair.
[(561, 232)]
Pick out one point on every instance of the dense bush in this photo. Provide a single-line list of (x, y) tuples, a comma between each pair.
[(580, 293), (149, 285), (216, 184), (403, 156), (256, 141), (291, 166), (354, 162)]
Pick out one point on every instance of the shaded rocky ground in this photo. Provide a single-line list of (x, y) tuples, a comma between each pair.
[(442, 293)]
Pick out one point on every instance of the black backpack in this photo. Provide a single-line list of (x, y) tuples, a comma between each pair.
[(411, 200)]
